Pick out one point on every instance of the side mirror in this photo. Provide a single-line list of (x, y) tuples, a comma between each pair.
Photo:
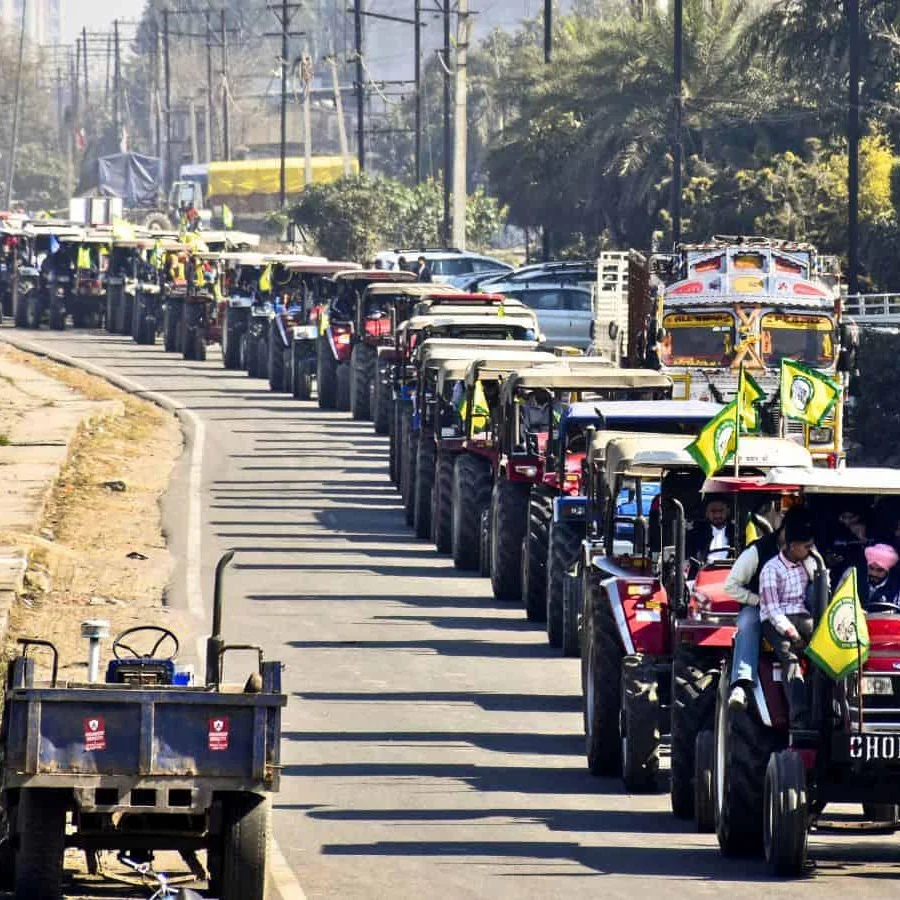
[(848, 337)]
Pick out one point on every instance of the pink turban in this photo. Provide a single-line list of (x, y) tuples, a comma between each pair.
[(883, 555)]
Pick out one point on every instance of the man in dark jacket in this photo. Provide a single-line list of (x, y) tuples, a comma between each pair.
[(711, 538), (883, 582)]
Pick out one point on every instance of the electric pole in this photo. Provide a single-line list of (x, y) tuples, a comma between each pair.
[(11, 173), (546, 239), (853, 149), (419, 95), (117, 84), (339, 109), (460, 129), (209, 86), (167, 62), (226, 125), (448, 137), (84, 45), (360, 87), (306, 79), (677, 142)]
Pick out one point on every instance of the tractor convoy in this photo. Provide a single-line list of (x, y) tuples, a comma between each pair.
[(574, 482)]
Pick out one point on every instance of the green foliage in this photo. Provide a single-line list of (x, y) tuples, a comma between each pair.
[(876, 413), (354, 218)]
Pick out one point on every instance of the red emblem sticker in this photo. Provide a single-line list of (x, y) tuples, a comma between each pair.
[(94, 734), (218, 733)]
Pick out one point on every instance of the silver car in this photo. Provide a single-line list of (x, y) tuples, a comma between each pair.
[(564, 312)]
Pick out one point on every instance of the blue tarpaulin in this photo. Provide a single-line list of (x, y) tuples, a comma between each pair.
[(133, 177)]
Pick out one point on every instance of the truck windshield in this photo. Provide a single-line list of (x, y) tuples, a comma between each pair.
[(698, 340), (807, 339)]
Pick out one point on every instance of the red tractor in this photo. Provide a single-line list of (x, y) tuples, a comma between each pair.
[(766, 782), (635, 581)]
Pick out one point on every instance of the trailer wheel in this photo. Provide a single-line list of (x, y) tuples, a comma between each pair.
[(640, 725), (785, 814), (704, 802), (41, 829), (245, 836)]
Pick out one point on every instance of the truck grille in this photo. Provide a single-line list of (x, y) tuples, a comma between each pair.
[(881, 711)]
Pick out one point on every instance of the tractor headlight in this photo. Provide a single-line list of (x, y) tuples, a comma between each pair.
[(821, 435)]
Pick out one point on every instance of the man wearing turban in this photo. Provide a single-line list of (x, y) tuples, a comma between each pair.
[(883, 583)]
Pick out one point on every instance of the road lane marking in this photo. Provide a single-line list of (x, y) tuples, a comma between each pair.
[(282, 877)]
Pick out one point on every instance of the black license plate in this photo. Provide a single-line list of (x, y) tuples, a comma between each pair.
[(872, 747)]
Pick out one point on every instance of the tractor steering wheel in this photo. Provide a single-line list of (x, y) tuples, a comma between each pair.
[(164, 634), (882, 606)]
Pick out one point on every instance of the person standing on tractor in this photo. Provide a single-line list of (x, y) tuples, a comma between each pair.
[(786, 621), (742, 585), (424, 270)]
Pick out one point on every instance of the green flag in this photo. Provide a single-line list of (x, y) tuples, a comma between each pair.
[(717, 442), (750, 394), (227, 216), (840, 643), (806, 394)]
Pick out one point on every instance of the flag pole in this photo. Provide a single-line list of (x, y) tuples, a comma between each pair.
[(859, 664), (737, 429)]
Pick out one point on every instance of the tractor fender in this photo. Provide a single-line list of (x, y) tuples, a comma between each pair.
[(641, 617)]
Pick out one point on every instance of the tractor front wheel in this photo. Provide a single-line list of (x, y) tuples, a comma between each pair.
[(786, 814), (640, 725)]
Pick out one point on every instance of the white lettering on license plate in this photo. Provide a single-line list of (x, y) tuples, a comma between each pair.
[(871, 747)]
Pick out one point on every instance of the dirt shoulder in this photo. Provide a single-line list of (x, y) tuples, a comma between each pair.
[(100, 552)]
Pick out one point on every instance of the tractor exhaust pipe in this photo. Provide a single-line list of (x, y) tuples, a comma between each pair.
[(214, 643)]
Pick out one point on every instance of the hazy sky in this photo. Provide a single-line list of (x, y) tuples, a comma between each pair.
[(97, 15)]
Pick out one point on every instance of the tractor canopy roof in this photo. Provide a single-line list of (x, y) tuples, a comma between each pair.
[(626, 414), (646, 454), (370, 275), (494, 366), (243, 259), (321, 267), (571, 374), (231, 239), (468, 315), (835, 481), (414, 289), (455, 369)]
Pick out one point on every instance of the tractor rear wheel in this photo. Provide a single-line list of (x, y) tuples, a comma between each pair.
[(704, 802), (640, 725), (786, 814), (301, 380), (342, 387), (602, 665), (572, 602), (484, 550), (231, 339), (472, 480), (443, 518), (245, 836), (565, 542), (363, 373), (694, 686), (262, 356), (170, 328), (404, 448), (743, 748), (383, 402), (35, 312), (425, 472), (326, 375), (41, 828), (57, 316), (534, 588), (276, 361), (509, 520), (394, 446)]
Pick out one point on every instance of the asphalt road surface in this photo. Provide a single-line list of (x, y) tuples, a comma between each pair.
[(432, 743)]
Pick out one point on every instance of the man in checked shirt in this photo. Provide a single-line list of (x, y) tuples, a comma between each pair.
[(786, 620)]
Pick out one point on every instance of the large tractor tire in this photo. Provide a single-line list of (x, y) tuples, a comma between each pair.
[(362, 376), (601, 656), (472, 480), (21, 311), (262, 356), (231, 340), (509, 520), (694, 687), (565, 542), (704, 764), (275, 362), (426, 461), (534, 588), (251, 354), (640, 725), (170, 329), (743, 748), (110, 317), (302, 378), (41, 827), (411, 469), (394, 463), (128, 314), (484, 550), (443, 517), (245, 837), (326, 375), (786, 814), (35, 312), (383, 404), (342, 396), (572, 604), (57, 316)]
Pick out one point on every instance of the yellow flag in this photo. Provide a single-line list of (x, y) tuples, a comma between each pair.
[(840, 643), (265, 280), (750, 395), (227, 216), (751, 532), (84, 258), (717, 442), (806, 394), (480, 409)]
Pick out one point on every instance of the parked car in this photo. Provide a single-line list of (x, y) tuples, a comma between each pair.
[(564, 312), (444, 264), (568, 272)]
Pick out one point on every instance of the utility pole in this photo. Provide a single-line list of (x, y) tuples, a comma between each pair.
[(192, 113), (853, 148), (306, 79), (209, 87), (546, 238), (339, 109), (11, 173), (419, 94), (460, 129), (448, 137), (360, 87), (677, 141), (84, 45), (157, 117), (226, 126), (117, 84), (167, 62), (284, 12)]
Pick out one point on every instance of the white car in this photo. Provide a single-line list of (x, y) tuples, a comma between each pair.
[(444, 264), (564, 312)]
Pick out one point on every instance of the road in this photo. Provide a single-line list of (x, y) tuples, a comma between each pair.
[(433, 744)]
